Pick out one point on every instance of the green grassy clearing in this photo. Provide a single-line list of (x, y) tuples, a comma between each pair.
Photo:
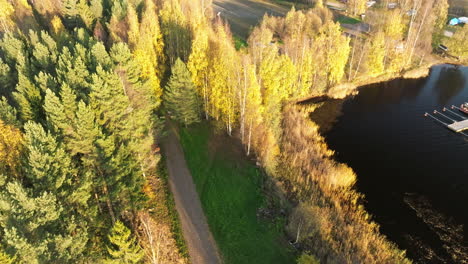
[(347, 20), (289, 4), (229, 189), (239, 42)]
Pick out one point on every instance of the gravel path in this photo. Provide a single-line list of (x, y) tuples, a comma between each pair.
[(201, 245)]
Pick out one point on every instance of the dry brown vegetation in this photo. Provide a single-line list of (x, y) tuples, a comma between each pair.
[(157, 241), (329, 220), (155, 226)]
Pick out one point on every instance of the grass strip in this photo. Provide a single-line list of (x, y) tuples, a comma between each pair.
[(229, 187)]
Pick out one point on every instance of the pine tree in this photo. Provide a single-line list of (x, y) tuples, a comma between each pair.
[(6, 79), (124, 248), (120, 53), (119, 8), (48, 164), (109, 103), (50, 168), (82, 140), (180, 97), (70, 12), (124, 181), (29, 99), (8, 113), (68, 99), (23, 216), (100, 56), (73, 71), (12, 49), (85, 13), (35, 228), (55, 113)]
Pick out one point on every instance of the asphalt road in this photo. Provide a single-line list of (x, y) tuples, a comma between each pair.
[(243, 15)]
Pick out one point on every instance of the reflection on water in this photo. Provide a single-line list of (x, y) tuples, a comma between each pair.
[(449, 232), (449, 84), (326, 115), (412, 170), (389, 92)]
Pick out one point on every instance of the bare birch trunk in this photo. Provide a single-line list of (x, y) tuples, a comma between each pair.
[(243, 105), (109, 203), (205, 96), (298, 232), (97, 201), (250, 137), (106, 193), (360, 59), (351, 62), (413, 17), (154, 242), (417, 35)]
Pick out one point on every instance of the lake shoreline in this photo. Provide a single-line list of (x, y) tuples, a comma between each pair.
[(343, 90), (437, 236)]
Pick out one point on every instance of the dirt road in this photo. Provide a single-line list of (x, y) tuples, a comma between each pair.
[(201, 245), (243, 15)]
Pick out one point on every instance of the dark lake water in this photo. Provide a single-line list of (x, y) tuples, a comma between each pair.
[(412, 170)]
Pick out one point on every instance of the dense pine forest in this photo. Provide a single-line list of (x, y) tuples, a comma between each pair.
[(87, 86)]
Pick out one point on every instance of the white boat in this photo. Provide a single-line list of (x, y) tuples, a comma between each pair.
[(464, 108)]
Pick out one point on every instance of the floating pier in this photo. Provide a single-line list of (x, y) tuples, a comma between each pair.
[(454, 125), (459, 126)]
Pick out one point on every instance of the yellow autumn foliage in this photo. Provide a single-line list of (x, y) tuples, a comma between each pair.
[(11, 146), (6, 10), (57, 25)]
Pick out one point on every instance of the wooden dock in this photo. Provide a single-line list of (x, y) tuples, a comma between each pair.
[(450, 121), (459, 126)]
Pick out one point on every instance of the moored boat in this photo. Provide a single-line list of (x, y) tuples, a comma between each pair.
[(464, 108)]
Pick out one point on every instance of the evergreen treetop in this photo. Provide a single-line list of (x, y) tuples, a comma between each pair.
[(180, 97)]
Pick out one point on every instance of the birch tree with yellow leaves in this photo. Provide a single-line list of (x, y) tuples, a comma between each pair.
[(175, 30), (375, 58), (335, 49), (198, 65), (11, 146), (277, 77), (222, 77), (6, 10), (250, 102)]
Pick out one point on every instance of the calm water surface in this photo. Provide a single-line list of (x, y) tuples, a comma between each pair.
[(412, 170)]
